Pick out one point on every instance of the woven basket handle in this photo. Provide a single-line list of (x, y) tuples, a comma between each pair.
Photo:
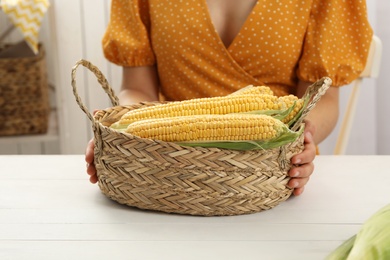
[(101, 79), (314, 92)]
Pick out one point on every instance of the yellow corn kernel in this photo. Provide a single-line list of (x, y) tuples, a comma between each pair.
[(201, 106), (286, 102), (230, 127), (250, 89)]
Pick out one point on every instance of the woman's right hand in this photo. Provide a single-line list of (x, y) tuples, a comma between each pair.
[(89, 158)]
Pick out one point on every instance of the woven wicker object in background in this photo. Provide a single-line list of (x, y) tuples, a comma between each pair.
[(163, 176), (24, 101)]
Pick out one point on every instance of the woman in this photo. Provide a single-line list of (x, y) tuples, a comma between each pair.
[(176, 50)]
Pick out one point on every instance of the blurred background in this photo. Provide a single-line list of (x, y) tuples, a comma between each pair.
[(72, 30)]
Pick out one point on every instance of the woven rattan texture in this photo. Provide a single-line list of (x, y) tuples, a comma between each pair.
[(166, 177), (198, 181), (24, 101)]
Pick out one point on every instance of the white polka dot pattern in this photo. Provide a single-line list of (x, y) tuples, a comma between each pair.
[(280, 42)]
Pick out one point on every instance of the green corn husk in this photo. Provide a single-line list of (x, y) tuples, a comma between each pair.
[(306, 100), (372, 241), (281, 114), (277, 114), (342, 251), (285, 137)]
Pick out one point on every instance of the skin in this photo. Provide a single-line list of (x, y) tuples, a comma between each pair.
[(141, 84), (319, 124)]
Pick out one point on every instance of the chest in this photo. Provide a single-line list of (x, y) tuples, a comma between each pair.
[(245, 31), (228, 17)]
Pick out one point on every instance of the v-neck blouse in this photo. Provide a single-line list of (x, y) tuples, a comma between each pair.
[(279, 43)]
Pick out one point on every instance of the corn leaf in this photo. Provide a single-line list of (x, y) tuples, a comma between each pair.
[(306, 100), (342, 251), (373, 239), (372, 242), (287, 136), (277, 114)]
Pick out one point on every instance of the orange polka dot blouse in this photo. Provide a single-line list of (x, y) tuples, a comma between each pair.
[(279, 43)]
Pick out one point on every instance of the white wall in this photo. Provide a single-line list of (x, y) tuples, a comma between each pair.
[(74, 30), (78, 36), (383, 84)]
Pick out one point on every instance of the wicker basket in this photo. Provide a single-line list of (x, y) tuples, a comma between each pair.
[(167, 177), (24, 101)]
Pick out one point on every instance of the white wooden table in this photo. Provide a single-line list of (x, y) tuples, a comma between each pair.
[(49, 210)]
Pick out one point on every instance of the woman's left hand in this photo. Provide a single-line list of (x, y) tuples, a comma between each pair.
[(303, 162)]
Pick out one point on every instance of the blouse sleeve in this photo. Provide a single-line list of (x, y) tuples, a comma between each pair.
[(126, 41), (337, 41)]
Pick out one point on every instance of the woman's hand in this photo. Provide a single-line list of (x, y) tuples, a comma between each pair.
[(322, 118), (303, 162), (89, 158)]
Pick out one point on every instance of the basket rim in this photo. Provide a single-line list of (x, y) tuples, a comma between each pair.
[(40, 54), (100, 114)]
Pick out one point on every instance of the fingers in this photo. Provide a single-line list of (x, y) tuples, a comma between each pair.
[(304, 166), (93, 179), (309, 152), (298, 184), (300, 175), (302, 171), (89, 158), (91, 171), (298, 191)]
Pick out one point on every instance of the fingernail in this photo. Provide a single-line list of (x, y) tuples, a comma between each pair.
[(294, 174), (297, 161), (294, 184)]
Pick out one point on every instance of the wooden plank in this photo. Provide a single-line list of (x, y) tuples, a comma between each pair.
[(40, 183), (177, 231), (46, 207), (34, 167), (167, 250), (51, 148), (31, 148), (8, 149), (103, 210)]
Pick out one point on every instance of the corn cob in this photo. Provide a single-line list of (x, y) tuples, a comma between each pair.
[(285, 101), (202, 106), (289, 101), (250, 89), (230, 127)]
